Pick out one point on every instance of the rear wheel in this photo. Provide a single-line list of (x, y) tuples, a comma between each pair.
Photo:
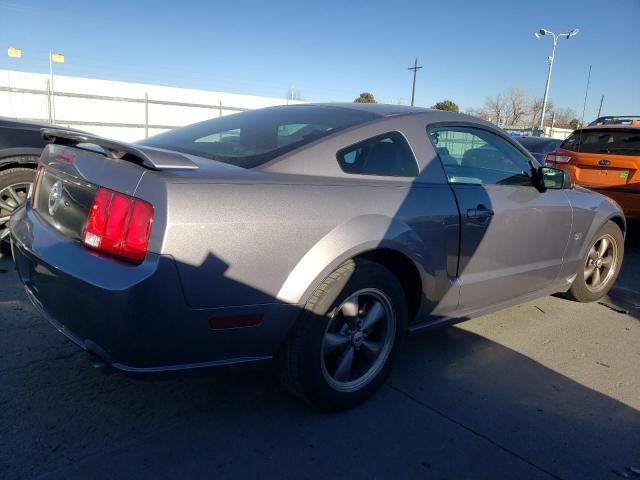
[(601, 265), (14, 186), (343, 346)]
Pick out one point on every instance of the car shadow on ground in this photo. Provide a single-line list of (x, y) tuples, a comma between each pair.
[(625, 295), (457, 405)]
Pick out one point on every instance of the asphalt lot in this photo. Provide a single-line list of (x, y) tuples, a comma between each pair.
[(548, 389)]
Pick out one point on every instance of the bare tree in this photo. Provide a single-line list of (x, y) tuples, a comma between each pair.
[(564, 116), (517, 104), (496, 108), (478, 112), (535, 108)]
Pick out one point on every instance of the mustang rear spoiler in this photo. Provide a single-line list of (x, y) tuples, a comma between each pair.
[(153, 158)]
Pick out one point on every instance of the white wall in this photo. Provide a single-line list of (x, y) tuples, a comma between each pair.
[(120, 119)]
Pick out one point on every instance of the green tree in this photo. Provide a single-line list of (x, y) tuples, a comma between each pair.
[(446, 105), (575, 123), (365, 97)]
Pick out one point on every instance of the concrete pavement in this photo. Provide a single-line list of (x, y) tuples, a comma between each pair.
[(549, 389)]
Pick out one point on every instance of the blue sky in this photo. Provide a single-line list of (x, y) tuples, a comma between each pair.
[(333, 50)]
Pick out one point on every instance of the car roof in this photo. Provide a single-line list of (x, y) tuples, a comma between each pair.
[(378, 109), (382, 111)]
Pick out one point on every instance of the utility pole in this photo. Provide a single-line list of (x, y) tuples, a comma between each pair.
[(415, 69), (599, 109)]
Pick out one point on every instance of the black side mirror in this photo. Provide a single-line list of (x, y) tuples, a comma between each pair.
[(550, 178)]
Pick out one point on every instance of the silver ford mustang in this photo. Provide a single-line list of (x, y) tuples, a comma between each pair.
[(312, 235)]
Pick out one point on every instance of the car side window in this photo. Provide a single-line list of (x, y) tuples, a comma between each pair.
[(475, 156), (388, 154)]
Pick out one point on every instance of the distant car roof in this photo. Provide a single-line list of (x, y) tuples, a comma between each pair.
[(610, 126), (27, 124), (616, 121), (533, 140)]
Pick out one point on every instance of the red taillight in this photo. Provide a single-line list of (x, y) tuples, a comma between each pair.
[(556, 157), (119, 225)]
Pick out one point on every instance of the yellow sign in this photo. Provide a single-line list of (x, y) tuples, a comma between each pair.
[(14, 52), (57, 57)]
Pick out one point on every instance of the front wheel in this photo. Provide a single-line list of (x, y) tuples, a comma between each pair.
[(601, 265), (342, 348)]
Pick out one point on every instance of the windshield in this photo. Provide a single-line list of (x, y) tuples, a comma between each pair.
[(606, 140), (252, 138)]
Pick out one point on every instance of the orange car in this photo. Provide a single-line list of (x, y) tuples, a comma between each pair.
[(605, 157)]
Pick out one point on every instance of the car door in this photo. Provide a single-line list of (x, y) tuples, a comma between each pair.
[(513, 236)]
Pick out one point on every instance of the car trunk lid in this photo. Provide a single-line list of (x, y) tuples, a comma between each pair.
[(76, 170), (604, 169)]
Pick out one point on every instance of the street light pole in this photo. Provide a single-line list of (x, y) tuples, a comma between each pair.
[(546, 87), (539, 34)]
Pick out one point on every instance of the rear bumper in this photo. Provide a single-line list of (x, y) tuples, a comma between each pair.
[(133, 318), (628, 199)]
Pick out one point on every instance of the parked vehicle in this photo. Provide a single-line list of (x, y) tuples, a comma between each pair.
[(21, 144), (539, 146), (605, 157), (315, 235)]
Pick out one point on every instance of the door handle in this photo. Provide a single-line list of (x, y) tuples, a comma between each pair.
[(480, 214)]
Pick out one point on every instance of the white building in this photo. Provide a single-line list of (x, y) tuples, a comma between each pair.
[(120, 110)]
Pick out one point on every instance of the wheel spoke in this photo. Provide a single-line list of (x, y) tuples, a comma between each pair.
[(373, 316), (589, 271), (350, 311), (370, 349), (333, 341), (592, 253), (15, 196), (6, 206), (595, 281), (4, 233), (604, 245), (343, 372), (607, 261)]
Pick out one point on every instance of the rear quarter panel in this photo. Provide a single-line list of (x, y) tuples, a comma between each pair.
[(242, 244)]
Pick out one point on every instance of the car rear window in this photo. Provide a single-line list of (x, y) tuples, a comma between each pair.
[(388, 155), (606, 140), (249, 139)]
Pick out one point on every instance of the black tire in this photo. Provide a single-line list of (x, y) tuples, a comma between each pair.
[(581, 290), (10, 177), (302, 362)]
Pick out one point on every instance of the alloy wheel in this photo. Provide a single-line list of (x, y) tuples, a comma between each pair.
[(601, 263), (358, 340), (11, 197)]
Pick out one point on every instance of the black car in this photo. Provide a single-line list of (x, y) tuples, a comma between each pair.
[(539, 146), (20, 146)]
